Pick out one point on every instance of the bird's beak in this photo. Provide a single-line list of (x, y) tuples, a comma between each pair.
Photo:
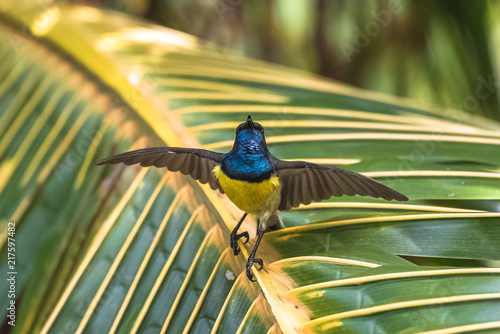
[(249, 124)]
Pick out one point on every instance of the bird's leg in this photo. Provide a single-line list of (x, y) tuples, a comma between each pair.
[(235, 237), (252, 259)]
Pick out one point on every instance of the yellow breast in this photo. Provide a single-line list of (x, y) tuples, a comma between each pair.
[(253, 198)]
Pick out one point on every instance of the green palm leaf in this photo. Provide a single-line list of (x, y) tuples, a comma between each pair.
[(142, 250)]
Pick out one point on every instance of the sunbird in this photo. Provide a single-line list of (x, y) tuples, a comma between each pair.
[(258, 183)]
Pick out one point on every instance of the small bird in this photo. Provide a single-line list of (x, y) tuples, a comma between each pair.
[(258, 183)]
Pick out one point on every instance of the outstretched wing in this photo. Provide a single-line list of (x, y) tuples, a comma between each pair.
[(194, 162), (304, 182)]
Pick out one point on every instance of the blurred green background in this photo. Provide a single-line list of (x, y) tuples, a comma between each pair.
[(444, 52)]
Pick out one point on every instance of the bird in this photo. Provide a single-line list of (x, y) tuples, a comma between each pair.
[(258, 183)]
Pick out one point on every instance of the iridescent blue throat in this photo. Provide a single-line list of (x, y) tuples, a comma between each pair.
[(249, 159)]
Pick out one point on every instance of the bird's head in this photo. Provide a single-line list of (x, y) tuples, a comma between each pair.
[(250, 136)]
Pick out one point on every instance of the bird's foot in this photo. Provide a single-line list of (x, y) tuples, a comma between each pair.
[(250, 263), (234, 241)]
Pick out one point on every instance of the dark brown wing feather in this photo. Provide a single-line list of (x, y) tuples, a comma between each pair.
[(194, 162), (305, 182)]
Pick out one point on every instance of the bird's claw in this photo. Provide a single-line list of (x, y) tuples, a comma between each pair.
[(250, 263), (234, 241), (250, 275), (236, 250), (243, 234), (260, 262), (234, 244)]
